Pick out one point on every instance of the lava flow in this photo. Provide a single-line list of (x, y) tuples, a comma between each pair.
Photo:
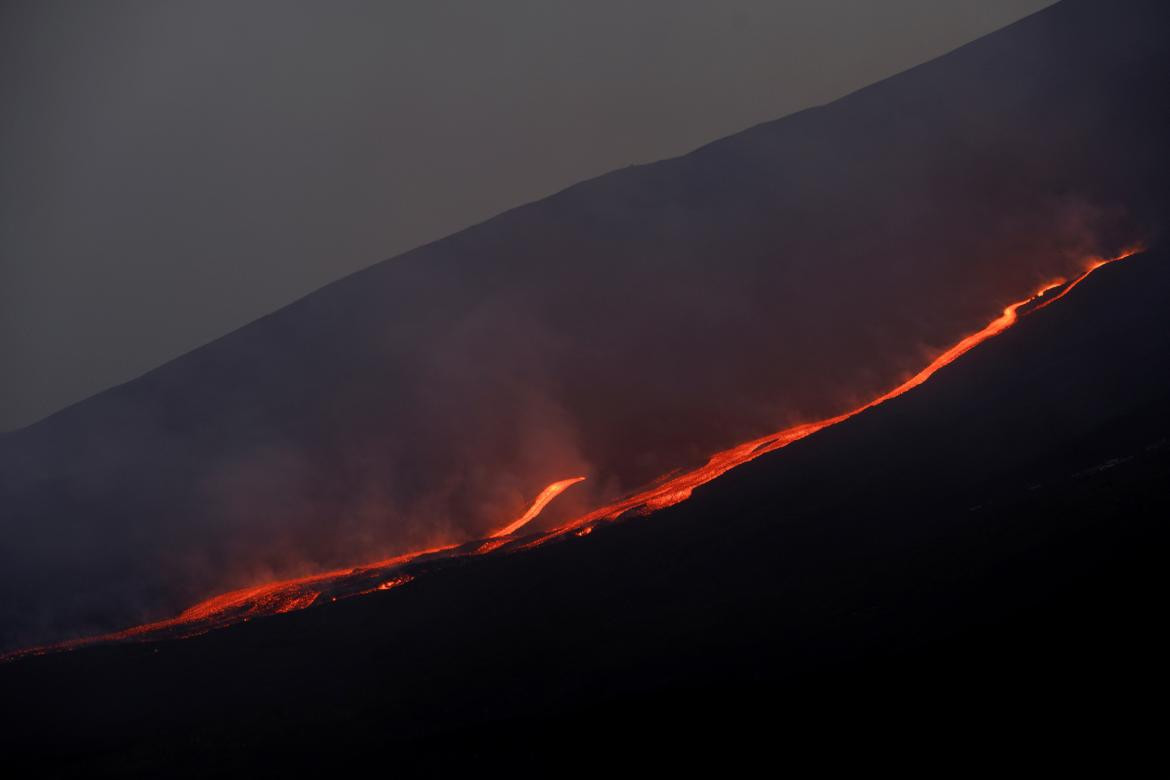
[(667, 492), (294, 594), (282, 596)]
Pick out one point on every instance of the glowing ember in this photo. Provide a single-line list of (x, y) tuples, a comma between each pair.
[(394, 583)]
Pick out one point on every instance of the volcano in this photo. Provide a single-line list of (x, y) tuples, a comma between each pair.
[(862, 405), (993, 536), (626, 328), (282, 596)]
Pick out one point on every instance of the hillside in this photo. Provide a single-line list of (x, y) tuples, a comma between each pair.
[(987, 546), (625, 327)]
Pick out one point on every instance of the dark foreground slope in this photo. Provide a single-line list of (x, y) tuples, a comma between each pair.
[(979, 560), (619, 329)]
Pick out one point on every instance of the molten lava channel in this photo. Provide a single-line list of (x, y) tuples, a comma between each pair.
[(294, 594)]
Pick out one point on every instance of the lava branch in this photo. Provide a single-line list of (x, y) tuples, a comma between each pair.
[(546, 495)]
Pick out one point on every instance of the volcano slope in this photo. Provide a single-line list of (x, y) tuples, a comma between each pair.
[(981, 556), (623, 328)]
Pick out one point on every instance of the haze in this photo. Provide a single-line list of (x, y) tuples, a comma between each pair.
[(171, 171)]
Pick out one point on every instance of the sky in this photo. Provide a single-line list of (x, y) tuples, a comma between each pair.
[(170, 171)]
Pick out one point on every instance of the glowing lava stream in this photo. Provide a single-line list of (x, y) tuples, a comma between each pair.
[(293, 594)]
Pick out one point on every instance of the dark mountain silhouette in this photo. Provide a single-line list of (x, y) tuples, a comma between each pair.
[(626, 326), (975, 562)]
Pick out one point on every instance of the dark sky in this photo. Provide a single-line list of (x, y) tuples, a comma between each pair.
[(170, 171)]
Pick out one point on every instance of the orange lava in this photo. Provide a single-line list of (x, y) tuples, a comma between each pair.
[(294, 594)]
